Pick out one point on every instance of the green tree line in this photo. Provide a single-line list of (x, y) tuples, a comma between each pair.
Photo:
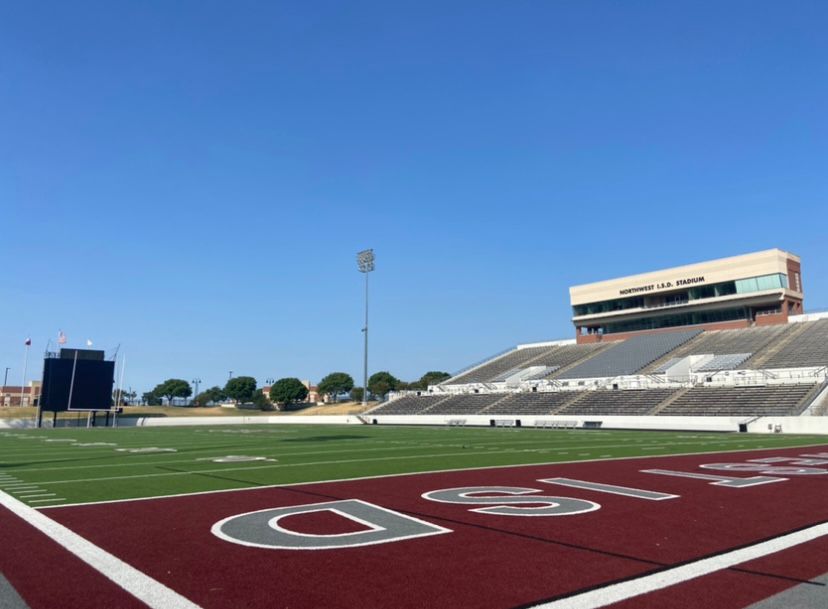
[(285, 392)]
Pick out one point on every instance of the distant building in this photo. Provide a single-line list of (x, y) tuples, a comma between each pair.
[(761, 288), (10, 394)]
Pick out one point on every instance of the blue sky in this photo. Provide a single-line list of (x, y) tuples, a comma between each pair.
[(192, 180)]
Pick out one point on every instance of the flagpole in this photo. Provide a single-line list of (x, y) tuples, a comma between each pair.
[(25, 365)]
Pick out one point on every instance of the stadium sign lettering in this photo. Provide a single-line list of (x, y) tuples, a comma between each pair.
[(664, 285)]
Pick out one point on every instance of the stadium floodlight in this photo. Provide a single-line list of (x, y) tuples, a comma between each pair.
[(196, 382), (365, 263)]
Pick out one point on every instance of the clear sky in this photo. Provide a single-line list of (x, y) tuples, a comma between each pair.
[(192, 180)]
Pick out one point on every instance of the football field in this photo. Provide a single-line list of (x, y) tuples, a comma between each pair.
[(374, 516)]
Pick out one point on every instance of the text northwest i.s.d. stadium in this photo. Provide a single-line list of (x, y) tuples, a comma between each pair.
[(672, 454)]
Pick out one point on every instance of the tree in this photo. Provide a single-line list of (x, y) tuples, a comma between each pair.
[(381, 383), (213, 394), (261, 401), (356, 394), (287, 391), (241, 388), (173, 388), (150, 399), (336, 383), (432, 377)]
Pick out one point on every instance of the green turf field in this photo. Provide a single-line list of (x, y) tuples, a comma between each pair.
[(60, 466)]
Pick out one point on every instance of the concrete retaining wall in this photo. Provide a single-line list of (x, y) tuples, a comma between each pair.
[(792, 425)]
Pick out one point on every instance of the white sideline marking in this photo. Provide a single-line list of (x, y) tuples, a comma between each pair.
[(649, 583), (151, 592)]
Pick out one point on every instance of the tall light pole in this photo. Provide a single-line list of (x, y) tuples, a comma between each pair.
[(365, 262), (6, 377), (196, 382)]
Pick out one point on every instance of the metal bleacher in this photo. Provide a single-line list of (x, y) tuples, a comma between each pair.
[(765, 400), (499, 365), (631, 402), (555, 357), (793, 345), (720, 342), (466, 403), (409, 404), (629, 356), (729, 361), (532, 403), (808, 348)]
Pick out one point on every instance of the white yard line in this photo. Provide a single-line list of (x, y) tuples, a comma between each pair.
[(151, 592), (616, 593)]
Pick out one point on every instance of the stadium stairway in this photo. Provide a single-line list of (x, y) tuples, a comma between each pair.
[(580, 395), (812, 395), (669, 400)]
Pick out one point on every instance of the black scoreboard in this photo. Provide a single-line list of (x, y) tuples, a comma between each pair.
[(77, 379)]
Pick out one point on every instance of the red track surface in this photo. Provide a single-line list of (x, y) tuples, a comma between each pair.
[(487, 561)]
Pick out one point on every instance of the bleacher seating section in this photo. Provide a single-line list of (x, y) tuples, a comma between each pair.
[(409, 404), (532, 403), (631, 402), (795, 345), (498, 366), (556, 357), (767, 400), (467, 403), (720, 342), (629, 356), (808, 348), (730, 361)]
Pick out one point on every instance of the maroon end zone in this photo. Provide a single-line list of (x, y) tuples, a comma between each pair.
[(478, 559)]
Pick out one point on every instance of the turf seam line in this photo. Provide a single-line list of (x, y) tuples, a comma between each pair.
[(797, 580), (609, 593), (140, 585)]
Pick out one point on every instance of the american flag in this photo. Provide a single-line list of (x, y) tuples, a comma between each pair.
[(61, 337)]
